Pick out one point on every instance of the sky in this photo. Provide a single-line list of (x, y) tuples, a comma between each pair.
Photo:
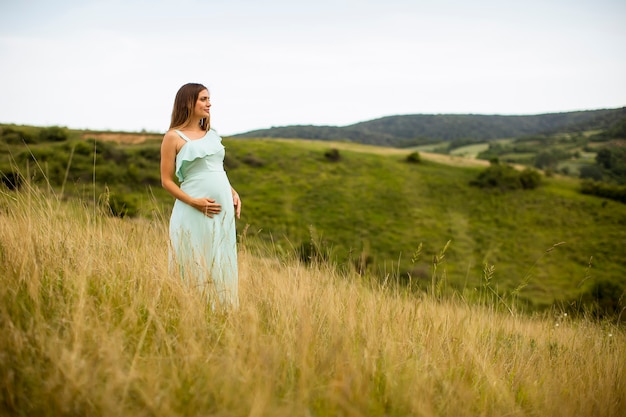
[(117, 64)]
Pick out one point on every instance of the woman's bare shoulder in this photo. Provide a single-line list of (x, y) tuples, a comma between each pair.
[(171, 135)]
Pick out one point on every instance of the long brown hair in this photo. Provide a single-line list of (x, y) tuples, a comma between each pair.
[(184, 104)]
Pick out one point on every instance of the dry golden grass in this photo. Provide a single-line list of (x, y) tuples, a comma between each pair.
[(92, 324)]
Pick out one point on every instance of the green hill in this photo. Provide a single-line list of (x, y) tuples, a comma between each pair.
[(368, 208), (408, 130), (378, 209)]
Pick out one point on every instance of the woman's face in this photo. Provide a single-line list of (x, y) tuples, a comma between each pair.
[(203, 105)]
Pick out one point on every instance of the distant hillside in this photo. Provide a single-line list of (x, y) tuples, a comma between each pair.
[(408, 130)]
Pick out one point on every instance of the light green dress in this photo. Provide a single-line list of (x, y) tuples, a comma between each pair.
[(205, 248)]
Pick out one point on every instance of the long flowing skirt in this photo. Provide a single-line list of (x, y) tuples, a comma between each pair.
[(204, 248)]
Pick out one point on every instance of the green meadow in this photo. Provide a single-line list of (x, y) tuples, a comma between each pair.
[(367, 208), (380, 208)]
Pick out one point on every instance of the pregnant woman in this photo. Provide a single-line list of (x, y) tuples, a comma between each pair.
[(202, 225)]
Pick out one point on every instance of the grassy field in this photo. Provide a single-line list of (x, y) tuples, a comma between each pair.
[(92, 324), (370, 209), (470, 151), (372, 204)]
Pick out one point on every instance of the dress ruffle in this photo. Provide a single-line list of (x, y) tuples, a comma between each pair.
[(195, 149)]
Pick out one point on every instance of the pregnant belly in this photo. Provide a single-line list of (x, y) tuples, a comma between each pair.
[(213, 185)]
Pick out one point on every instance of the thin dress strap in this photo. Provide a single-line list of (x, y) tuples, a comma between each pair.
[(182, 135)]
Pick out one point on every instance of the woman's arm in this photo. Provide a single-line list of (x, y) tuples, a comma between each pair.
[(236, 202)]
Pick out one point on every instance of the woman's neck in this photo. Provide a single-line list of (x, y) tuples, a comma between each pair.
[(193, 126)]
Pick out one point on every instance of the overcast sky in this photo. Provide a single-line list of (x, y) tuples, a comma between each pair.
[(117, 64)]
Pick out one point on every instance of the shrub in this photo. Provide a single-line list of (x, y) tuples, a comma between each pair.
[(501, 176), (505, 177), (414, 158), (602, 189), (121, 205), (332, 155), (12, 180), (83, 148), (151, 178), (53, 134), (529, 179), (605, 299), (310, 252), (111, 152), (230, 162), (40, 155), (107, 174), (549, 159), (592, 172), (14, 136), (253, 161), (151, 153)]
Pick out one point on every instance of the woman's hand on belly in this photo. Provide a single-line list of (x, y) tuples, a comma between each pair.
[(206, 205)]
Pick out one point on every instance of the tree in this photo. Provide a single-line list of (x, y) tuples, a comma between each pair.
[(53, 134), (505, 177), (593, 172), (604, 158)]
